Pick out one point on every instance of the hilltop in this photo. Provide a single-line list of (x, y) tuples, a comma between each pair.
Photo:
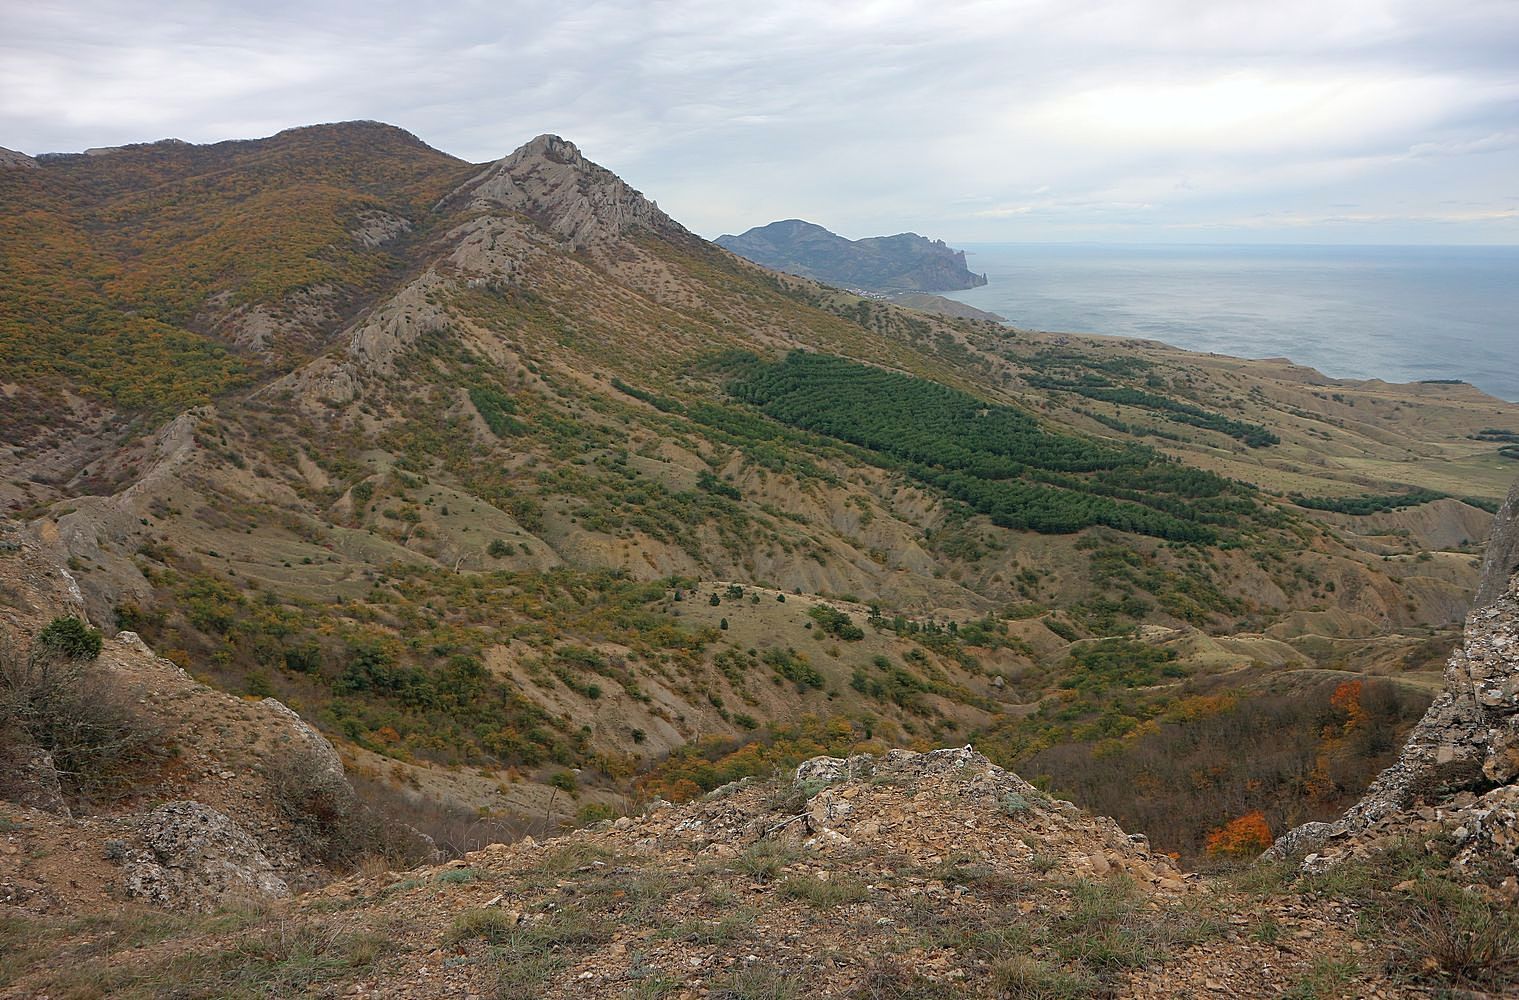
[(905, 262), (533, 502)]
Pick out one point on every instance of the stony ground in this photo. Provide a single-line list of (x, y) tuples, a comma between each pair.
[(909, 875)]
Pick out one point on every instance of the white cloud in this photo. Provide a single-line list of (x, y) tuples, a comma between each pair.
[(980, 118)]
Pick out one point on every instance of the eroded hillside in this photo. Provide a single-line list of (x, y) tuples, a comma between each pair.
[(492, 472)]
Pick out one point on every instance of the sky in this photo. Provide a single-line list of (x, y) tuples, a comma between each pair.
[(1196, 121)]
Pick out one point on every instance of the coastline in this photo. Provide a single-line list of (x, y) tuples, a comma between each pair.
[(1401, 315)]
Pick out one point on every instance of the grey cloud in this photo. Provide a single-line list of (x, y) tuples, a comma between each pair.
[(869, 117)]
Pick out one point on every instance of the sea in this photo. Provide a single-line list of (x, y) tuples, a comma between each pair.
[(1398, 313)]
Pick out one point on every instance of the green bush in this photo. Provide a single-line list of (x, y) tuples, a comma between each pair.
[(69, 636)]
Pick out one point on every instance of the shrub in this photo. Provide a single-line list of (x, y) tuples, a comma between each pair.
[(594, 812), (329, 821), (1452, 937), (98, 740), (835, 622), (1013, 804), (69, 636), (1242, 837)]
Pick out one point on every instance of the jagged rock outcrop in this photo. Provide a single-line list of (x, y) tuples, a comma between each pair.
[(834, 785), (198, 859), (327, 763), (1500, 559), (549, 181), (1459, 767)]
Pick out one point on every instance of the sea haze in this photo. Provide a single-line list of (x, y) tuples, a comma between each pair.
[(1396, 313)]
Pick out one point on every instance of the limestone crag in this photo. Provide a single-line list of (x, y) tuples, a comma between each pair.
[(550, 181), (856, 803)]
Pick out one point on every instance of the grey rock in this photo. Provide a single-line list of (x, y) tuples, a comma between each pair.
[(832, 770), (1303, 841), (196, 858), (329, 765), (35, 782), (12, 160), (1500, 558), (550, 181)]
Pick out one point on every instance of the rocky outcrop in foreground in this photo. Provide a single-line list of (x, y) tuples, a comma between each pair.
[(925, 875), (197, 859)]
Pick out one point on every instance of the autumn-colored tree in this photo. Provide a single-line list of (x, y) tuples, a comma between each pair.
[(1346, 702), (1241, 837)]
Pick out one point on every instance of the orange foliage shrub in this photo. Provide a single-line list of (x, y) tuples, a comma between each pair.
[(1346, 701), (1244, 836)]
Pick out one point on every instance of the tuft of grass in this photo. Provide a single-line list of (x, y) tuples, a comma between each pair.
[(886, 980), (756, 981), (635, 896), (280, 958), (573, 857), (1446, 936), (729, 927), (526, 958), (458, 876), (489, 924), (1326, 980), (526, 976), (1268, 931), (654, 987), (720, 896), (1021, 977), (824, 893), (764, 859), (1042, 863)]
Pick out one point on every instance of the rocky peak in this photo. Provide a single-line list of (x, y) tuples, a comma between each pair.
[(549, 147), (551, 182)]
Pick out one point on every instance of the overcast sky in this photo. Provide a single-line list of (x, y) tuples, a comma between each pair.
[(1363, 121)]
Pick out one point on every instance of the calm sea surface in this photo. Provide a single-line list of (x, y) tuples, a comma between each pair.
[(1395, 313)]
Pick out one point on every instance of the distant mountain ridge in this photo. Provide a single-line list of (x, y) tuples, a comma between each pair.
[(905, 262)]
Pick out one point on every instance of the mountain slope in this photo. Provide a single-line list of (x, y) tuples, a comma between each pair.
[(905, 262), (484, 511)]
